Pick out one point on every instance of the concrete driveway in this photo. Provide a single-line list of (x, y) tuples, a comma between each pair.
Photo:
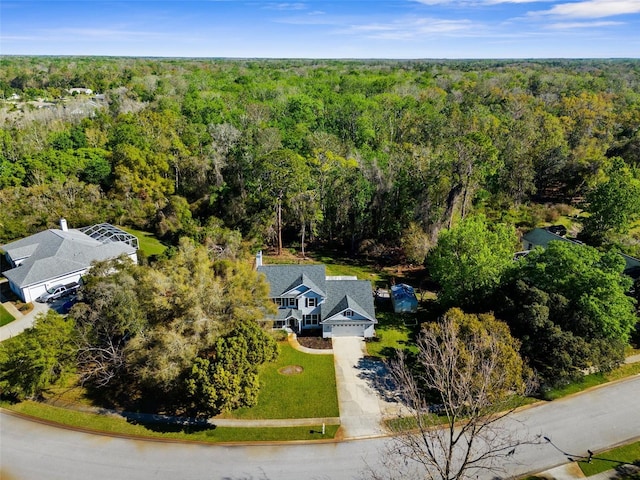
[(21, 322), (363, 389)]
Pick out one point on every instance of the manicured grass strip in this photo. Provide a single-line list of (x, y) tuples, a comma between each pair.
[(403, 424), (310, 394), (119, 426), (611, 459), (5, 317), (593, 380), (147, 242)]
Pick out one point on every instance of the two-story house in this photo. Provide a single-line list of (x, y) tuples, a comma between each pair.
[(308, 299)]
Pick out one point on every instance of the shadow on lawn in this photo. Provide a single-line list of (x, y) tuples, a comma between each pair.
[(168, 424)]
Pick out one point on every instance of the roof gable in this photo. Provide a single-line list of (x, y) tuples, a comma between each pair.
[(354, 295), (283, 279)]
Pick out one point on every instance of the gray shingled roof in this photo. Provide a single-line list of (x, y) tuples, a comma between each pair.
[(288, 313), (353, 294), (283, 278), (54, 253)]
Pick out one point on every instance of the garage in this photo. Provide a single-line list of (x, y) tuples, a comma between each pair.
[(348, 330)]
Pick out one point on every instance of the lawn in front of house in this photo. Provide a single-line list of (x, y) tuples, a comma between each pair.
[(5, 317), (309, 394)]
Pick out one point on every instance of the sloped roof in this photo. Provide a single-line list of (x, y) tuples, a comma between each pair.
[(403, 291), (355, 295), (631, 266), (54, 253), (542, 237), (284, 278), (288, 313)]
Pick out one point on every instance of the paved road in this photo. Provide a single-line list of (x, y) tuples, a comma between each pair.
[(31, 451)]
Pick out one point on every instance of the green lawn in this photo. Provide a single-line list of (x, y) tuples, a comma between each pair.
[(310, 394), (342, 266), (5, 317), (147, 242), (611, 459), (391, 334), (118, 425)]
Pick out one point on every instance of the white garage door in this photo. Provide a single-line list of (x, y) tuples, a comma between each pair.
[(348, 330)]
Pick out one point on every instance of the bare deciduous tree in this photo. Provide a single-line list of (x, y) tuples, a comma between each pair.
[(460, 391)]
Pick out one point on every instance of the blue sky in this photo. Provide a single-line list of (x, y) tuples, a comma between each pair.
[(323, 28)]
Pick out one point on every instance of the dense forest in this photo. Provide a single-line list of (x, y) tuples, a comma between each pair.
[(361, 155), (423, 162)]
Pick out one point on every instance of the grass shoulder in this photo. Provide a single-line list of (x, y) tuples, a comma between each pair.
[(593, 380), (116, 425), (611, 459)]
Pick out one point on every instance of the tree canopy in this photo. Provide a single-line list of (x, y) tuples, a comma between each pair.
[(469, 259), (468, 370), (568, 304), (613, 204), (184, 329), (356, 152)]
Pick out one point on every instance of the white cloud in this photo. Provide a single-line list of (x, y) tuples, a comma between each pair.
[(593, 9), (572, 25), (413, 28), (286, 6)]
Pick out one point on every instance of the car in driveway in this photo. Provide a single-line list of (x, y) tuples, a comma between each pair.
[(58, 291)]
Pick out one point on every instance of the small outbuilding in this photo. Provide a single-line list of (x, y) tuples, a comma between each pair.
[(403, 298)]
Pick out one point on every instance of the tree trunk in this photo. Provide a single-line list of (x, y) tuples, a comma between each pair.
[(452, 200), (279, 224), (304, 225)]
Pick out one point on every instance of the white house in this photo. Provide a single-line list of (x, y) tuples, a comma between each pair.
[(62, 256), (308, 299)]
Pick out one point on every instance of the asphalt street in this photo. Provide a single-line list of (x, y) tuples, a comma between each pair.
[(593, 420)]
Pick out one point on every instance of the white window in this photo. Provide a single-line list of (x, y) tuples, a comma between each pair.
[(293, 302), (348, 313), (278, 301), (311, 302)]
